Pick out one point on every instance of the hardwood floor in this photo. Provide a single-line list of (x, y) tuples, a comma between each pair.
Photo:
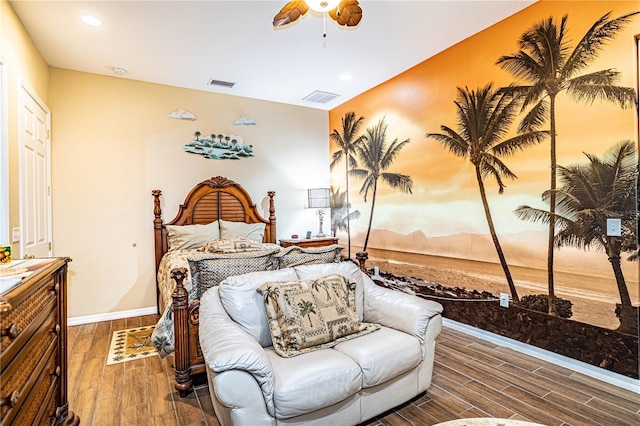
[(472, 378)]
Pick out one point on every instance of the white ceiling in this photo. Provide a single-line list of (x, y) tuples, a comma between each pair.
[(185, 43)]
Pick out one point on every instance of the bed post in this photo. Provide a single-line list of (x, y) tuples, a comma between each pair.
[(362, 257), (181, 335), (272, 217)]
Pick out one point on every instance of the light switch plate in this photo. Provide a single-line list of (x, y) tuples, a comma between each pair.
[(614, 227), (15, 235)]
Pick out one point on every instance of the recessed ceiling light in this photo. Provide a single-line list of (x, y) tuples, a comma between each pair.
[(119, 71), (346, 77), (91, 20)]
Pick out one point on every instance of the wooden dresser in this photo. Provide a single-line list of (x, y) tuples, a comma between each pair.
[(33, 356)]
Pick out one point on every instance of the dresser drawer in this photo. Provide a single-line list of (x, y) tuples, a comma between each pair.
[(19, 377), (25, 317), (40, 406)]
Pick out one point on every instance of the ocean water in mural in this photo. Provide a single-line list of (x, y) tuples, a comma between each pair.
[(483, 211)]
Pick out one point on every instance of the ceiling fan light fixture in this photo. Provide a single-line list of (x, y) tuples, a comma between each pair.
[(322, 5)]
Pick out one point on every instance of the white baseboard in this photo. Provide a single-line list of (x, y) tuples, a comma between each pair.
[(111, 316), (607, 376)]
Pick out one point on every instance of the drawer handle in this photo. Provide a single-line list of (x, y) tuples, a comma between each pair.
[(5, 306), (11, 400), (56, 372), (11, 332), (56, 288), (56, 329)]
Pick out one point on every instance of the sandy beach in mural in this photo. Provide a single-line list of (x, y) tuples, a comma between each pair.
[(580, 277)]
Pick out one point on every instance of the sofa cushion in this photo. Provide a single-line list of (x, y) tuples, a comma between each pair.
[(309, 315), (346, 269), (312, 381), (382, 355), (244, 304)]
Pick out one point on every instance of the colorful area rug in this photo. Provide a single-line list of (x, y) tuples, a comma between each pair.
[(131, 344)]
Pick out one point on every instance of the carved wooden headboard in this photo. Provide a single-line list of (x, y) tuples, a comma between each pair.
[(212, 199)]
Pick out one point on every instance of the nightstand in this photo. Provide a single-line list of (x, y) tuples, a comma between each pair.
[(309, 242)]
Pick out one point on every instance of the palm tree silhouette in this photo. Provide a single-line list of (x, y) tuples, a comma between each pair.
[(306, 309), (590, 194), (484, 117), (347, 141), (547, 62), (377, 157), (340, 215), (272, 293)]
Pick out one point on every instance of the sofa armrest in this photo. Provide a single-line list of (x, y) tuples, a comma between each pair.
[(226, 346), (397, 310)]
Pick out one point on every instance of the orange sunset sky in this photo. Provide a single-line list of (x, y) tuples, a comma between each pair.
[(421, 100)]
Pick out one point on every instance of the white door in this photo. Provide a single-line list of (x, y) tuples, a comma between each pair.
[(35, 177)]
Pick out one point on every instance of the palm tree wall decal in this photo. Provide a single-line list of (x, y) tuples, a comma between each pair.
[(347, 141), (590, 194), (377, 157), (484, 117), (547, 62), (340, 214)]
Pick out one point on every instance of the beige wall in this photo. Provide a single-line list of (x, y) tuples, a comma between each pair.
[(113, 143), (23, 64)]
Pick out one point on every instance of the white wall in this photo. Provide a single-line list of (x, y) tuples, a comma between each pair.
[(113, 143)]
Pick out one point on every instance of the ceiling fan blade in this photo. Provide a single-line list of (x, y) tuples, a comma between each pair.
[(291, 12), (347, 13)]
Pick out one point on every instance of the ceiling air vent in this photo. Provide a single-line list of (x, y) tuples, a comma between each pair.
[(320, 97), (214, 82)]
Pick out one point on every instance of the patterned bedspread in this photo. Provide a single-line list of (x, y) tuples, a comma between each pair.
[(163, 334), (216, 267)]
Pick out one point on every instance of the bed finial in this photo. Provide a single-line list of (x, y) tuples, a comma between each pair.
[(272, 216), (157, 211)]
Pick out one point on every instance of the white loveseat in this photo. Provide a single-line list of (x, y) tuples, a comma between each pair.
[(250, 384)]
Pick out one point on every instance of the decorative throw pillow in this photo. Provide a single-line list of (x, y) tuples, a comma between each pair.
[(244, 304), (253, 231), (191, 237), (232, 245), (295, 256), (308, 315), (209, 269)]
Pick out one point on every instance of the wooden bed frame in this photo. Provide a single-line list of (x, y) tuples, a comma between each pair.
[(210, 200)]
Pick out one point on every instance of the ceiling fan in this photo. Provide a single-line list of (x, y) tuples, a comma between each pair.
[(344, 12)]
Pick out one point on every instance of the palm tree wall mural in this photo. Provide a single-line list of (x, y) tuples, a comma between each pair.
[(589, 195), (547, 62), (484, 117), (347, 140), (441, 234), (376, 157), (341, 216)]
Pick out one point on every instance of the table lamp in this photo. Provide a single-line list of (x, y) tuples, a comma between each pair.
[(319, 198)]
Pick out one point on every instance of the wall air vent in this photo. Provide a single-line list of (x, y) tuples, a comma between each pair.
[(320, 97), (214, 82)]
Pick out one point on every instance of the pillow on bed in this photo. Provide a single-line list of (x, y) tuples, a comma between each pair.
[(308, 315), (296, 256), (209, 269), (232, 245), (192, 237), (253, 231)]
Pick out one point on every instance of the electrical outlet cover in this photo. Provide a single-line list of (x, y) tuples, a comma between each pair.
[(504, 300)]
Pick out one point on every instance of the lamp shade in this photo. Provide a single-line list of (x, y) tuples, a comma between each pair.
[(319, 198)]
